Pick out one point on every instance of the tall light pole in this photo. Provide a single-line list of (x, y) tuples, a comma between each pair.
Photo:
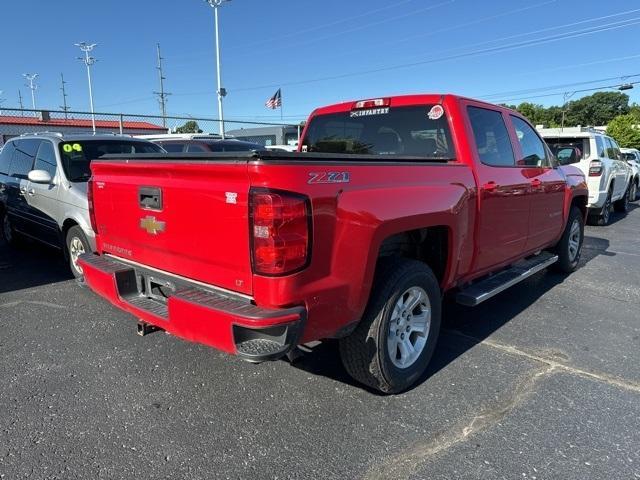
[(215, 4), (88, 60), (33, 86)]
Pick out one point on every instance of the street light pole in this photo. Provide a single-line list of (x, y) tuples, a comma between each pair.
[(89, 61), (215, 4), (31, 78)]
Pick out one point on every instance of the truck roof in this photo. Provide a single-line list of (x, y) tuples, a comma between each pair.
[(401, 100)]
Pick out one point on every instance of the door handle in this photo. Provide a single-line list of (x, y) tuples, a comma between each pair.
[(490, 186), (32, 192), (536, 183), (23, 191)]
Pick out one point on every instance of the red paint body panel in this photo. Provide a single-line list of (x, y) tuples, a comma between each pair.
[(207, 239)]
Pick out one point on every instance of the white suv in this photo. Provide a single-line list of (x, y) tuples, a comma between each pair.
[(599, 157), (632, 156)]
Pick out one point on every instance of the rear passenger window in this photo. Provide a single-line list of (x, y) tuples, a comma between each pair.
[(46, 158), (492, 137), (617, 154), (5, 158), (533, 152), (195, 148), (600, 146), (24, 158)]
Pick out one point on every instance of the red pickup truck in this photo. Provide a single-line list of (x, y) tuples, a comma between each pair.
[(389, 204)]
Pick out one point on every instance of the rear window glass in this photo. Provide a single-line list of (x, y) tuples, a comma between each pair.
[(76, 156), (399, 131), (558, 144)]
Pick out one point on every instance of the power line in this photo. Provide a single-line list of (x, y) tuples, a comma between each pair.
[(162, 95), (64, 106), (555, 94)]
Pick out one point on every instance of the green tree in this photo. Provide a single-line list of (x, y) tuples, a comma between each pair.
[(189, 127), (624, 129), (597, 109)]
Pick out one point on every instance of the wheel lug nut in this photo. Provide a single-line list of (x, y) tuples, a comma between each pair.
[(407, 328), (402, 336), (398, 322), (397, 332)]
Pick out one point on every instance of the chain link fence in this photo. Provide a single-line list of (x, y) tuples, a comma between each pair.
[(15, 122)]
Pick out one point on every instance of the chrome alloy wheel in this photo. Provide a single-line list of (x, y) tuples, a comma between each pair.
[(575, 239), (409, 327), (76, 248)]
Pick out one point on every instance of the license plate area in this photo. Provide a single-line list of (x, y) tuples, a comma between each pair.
[(155, 288)]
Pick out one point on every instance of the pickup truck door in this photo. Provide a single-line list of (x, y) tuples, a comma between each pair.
[(546, 219), (503, 189)]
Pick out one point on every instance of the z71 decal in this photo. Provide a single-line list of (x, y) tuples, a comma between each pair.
[(328, 177)]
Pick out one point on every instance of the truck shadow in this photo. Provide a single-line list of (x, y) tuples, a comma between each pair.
[(30, 265), (462, 327)]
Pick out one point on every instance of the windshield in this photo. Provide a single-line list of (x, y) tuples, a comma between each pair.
[(77, 155), (414, 131), (556, 145)]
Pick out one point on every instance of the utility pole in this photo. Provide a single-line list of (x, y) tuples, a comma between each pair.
[(33, 86), (162, 95), (20, 101), (89, 61), (64, 107), (222, 92), (2, 100)]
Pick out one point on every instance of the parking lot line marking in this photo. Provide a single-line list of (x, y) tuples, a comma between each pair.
[(32, 302), (512, 350)]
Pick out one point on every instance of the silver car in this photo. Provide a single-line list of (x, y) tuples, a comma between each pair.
[(43, 187)]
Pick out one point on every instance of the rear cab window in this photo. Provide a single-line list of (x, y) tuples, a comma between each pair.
[(405, 130)]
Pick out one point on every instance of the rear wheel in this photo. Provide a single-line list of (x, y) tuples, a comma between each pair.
[(622, 205), (394, 342), (602, 219), (633, 193), (569, 248), (77, 244)]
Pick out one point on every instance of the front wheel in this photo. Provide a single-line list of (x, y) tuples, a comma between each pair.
[(633, 193), (603, 218), (77, 244), (394, 342), (569, 248)]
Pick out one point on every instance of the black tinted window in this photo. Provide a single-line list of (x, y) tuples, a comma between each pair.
[(195, 148), (560, 143), (5, 157), (533, 152), (382, 131), (46, 158), (492, 137), (173, 147), (24, 158), (241, 147), (76, 156)]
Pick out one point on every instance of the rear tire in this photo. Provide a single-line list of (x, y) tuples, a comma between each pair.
[(602, 219), (634, 194), (77, 244), (622, 205), (395, 340), (569, 248)]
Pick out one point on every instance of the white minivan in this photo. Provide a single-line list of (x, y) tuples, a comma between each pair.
[(599, 157)]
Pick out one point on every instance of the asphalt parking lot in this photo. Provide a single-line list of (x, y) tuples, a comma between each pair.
[(541, 382)]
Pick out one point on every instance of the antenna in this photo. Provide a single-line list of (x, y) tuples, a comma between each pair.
[(162, 95), (64, 106)]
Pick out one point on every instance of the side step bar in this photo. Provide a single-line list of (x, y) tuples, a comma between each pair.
[(493, 285)]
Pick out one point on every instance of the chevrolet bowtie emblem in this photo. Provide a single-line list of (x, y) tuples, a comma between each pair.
[(152, 225)]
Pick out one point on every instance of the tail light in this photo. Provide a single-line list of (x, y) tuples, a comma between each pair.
[(595, 168), (92, 213), (280, 232), (373, 103)]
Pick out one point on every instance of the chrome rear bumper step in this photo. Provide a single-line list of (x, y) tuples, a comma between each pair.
[(493, 285)]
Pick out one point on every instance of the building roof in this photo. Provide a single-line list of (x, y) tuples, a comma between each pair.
[(75, 122)]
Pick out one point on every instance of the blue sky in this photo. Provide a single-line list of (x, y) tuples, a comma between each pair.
[(315, 50)]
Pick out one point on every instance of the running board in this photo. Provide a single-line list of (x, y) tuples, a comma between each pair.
[(493, 285)]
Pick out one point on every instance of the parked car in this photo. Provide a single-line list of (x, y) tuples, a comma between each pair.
[(395, 202), (632, 157), (201, 145), (43, 187), (608, 175)]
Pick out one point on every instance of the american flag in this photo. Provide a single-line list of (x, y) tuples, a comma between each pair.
[(275, 101)]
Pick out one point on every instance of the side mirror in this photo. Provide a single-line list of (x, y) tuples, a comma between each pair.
[(40, 176)]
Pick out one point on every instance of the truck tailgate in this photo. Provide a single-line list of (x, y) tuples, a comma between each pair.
[(189, 219)]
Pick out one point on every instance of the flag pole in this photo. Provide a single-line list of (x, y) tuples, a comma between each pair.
[(281, 107)]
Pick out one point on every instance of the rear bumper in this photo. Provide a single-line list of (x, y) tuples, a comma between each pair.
[(218, 319)]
